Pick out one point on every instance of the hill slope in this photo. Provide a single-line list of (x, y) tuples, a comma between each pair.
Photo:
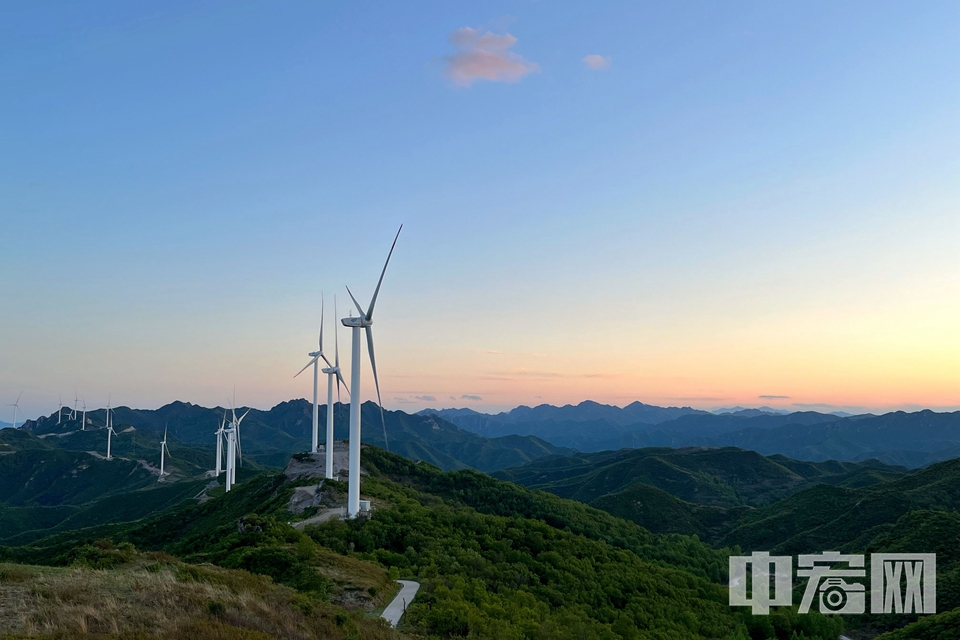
[(495, 560)]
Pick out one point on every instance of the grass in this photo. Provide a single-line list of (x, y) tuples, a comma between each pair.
[(157, 596)]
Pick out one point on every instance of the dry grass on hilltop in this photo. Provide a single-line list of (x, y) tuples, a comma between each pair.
[(159, 597)]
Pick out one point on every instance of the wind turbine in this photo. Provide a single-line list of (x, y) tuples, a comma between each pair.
[(234, 451), (315, 355), (16, 407), (332, 371), (73, 415), (60, 410), (164, 449), (83, 422), (362, 321), (219, 433), (110, 431)]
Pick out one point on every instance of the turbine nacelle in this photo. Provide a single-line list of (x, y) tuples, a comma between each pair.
[(357, 322)]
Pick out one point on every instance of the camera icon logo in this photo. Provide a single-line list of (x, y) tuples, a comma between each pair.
[(841, 597)]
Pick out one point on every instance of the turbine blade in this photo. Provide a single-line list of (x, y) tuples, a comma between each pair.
[(355, 301), (242, 417), (307, 365), (321, 323), (341, 380), (376, 382), (325, 360), (336, 340), (376, 291)]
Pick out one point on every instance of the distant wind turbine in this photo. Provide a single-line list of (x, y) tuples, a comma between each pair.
[(164, 450), (332, 371), (16, 407), (60, 410), (110, 431), (362, 321), (219, 433), (234, 451), (73, 415), (315, 358), (83, 421)]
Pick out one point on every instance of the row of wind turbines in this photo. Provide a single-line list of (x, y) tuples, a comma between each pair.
[(228, 449)]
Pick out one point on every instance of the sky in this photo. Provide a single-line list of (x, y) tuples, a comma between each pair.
[(691, 203)]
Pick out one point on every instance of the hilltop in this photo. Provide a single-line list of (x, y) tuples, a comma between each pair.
[(695, 490)]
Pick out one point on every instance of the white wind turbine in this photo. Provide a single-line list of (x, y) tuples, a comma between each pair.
[(234, 451), (60, 410), (16, 407), (73, 415), (332, 371), (83, 421), (164, 449), (219, 433), (363, 321), (110, 431), (315, 357)]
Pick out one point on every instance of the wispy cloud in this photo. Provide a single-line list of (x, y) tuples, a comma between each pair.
[(485, 56), (425, 398), (467, 396), (596, 62), (774, 397)]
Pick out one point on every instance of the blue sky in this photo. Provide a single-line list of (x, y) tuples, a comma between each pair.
[(746, 199)]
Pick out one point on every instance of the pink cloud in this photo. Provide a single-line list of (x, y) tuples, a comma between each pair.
[(597, 62), (485, 56)]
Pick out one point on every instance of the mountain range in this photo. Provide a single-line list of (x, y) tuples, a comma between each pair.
[(898, 438), (270, 437)]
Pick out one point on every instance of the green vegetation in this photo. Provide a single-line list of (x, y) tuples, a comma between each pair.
[(495, 560), (694, 490)]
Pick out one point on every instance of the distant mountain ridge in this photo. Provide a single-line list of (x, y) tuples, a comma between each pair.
[(269, 437), (898, 438)]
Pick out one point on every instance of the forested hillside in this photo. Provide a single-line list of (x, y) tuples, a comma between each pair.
[(495, 560)]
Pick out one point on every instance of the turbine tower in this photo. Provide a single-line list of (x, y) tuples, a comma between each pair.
[(60, 410), (83, 421), (73, 415), (164, 449), (110, 432), (16, 407), (219, 433), (363, 321), (332, 371)]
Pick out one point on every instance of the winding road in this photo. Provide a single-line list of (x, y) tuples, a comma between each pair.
[(394, 610)]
